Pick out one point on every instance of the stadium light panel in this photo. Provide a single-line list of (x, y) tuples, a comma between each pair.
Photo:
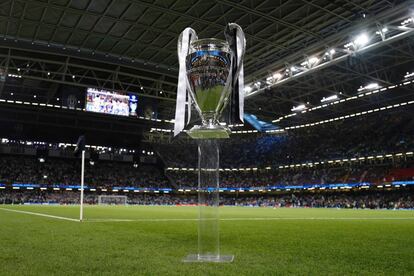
[(312, 61), (372, 86), (277, 76), (407, 22), (408, 75), (247, 89), (361, 40), (299, 107), (330, 98)]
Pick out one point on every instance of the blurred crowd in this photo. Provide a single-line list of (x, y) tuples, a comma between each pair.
[(107, 174), (396, 199), (362, 136), (355, 173), (104, 174)]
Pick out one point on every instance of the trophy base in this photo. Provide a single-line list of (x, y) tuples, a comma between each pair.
[(209, 132), (195, 258)]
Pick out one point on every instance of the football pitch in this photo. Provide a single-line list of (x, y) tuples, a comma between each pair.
[(152, 240)]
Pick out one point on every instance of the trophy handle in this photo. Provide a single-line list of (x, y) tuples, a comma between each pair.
[(183, 46), (237, 42), (182, 55)]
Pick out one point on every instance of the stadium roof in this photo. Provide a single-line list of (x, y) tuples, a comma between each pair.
[(131, 46)]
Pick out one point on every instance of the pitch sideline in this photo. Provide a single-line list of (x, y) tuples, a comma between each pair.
[(39, 214), (243, 219), (195, 219)]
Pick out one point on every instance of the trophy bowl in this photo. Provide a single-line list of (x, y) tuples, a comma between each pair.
[(208, 66)]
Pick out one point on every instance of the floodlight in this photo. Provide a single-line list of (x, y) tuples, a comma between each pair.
[(299, 107), (274, 78), (372, 85), (330, 98), (361, 40), (247, 89), (409, 75), (407, 21), (369, 86), (277, 76), (313, 60)]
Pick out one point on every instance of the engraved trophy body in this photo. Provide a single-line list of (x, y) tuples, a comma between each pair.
[(208, 67), (210, 80)]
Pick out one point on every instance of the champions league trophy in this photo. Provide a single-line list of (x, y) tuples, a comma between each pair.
[(210, 80)]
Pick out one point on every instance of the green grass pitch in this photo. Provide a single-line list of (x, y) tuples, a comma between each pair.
[(136, 240)]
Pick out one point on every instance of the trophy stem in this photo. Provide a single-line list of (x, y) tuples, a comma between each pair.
[(208, 204)]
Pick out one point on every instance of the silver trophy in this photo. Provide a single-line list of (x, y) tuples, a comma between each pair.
[(210, 80)]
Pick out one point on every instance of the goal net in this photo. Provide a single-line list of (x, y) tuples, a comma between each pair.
[(112, 200)]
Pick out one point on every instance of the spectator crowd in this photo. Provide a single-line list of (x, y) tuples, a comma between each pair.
[(369, 135), (396, 199), (103, 174)]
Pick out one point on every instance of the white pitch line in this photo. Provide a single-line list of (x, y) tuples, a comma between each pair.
[(39, 214), (195, 219), (143, 220), (243, 219)]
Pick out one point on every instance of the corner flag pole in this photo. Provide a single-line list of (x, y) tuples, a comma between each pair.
[(82, 183)]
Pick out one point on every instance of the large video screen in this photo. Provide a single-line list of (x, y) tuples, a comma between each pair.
[(108, 102)]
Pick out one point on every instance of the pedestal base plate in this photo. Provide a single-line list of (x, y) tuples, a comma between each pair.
[(195, 258)]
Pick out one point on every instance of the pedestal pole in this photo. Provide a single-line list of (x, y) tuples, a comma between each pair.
[(208, 205)]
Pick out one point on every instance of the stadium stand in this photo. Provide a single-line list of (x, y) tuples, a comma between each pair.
[(371, 135), (401, 199)]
